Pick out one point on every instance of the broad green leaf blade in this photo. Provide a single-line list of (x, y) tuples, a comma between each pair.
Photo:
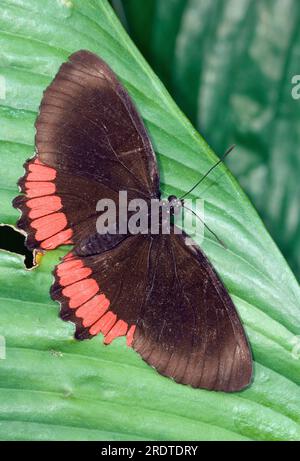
[(55, 387), (229, 65)]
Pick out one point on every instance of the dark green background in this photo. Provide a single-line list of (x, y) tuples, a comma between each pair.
[(229, 65)]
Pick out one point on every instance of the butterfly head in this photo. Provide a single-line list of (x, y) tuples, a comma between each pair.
[(175, 204)]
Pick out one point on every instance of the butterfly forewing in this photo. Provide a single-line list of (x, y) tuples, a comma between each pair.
[(91, 144), (88, 125)]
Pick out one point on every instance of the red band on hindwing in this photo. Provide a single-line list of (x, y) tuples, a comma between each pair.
[(83, 303), (43, 218)]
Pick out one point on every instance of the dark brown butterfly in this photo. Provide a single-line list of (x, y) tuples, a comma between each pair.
[(162, 294)]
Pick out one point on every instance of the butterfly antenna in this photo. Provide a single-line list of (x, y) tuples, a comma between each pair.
[(207, 173), (207, 227)]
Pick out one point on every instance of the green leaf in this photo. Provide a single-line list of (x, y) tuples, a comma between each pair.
[(53, 387), (229, 65)]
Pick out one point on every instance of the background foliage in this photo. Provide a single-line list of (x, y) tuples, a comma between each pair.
[(53, 387), (229, 65)]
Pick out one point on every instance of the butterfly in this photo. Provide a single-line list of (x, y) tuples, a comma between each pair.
[(156, 290)]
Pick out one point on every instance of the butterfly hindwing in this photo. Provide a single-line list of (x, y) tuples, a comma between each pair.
[(166, 293), (101, 292), (189, 329)]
